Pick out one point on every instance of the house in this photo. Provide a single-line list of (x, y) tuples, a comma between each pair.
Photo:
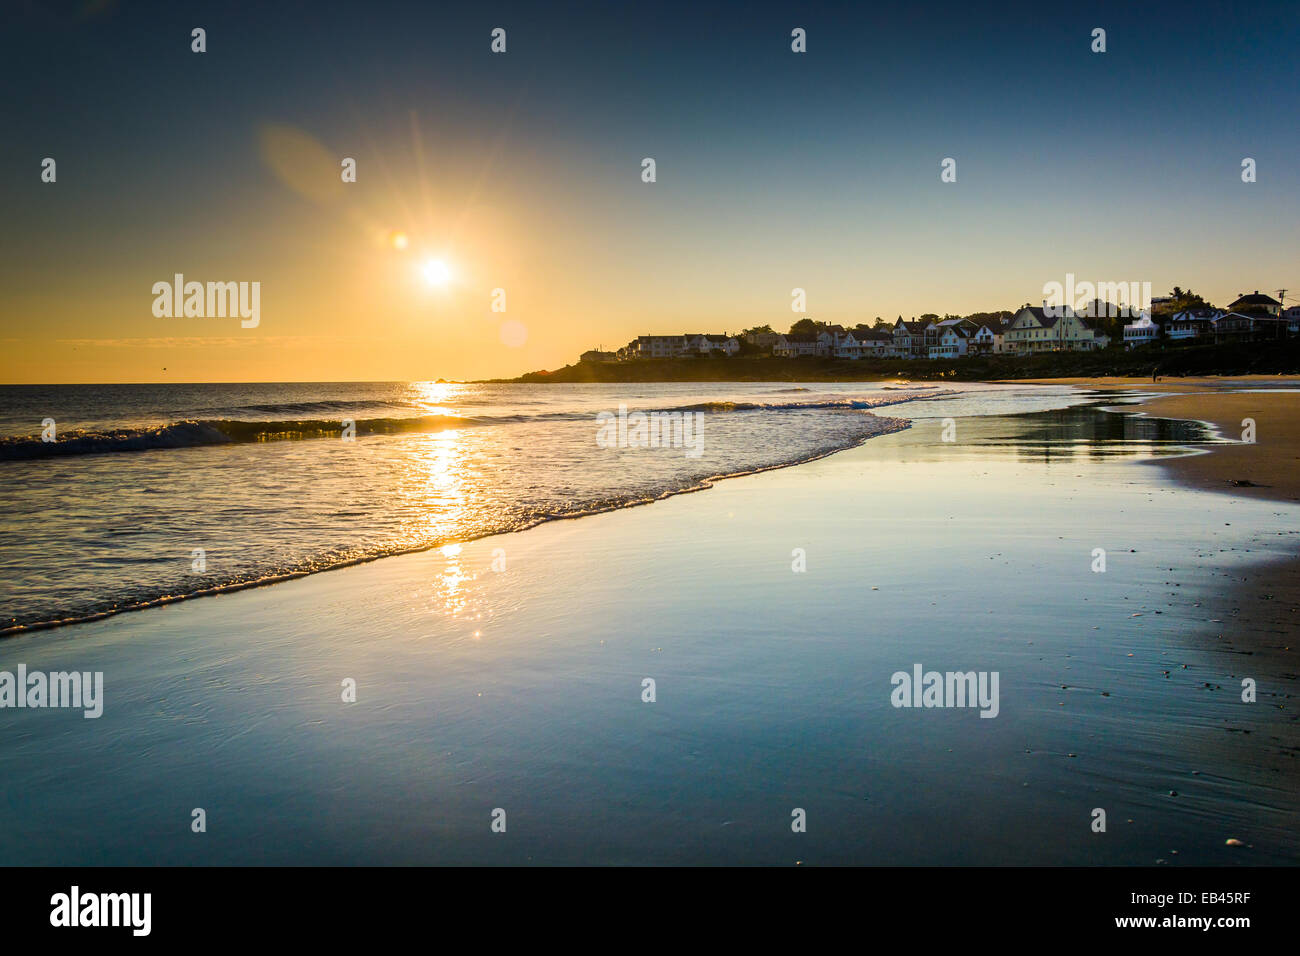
[(1255, 304), (840, 344), (1031, 330), (595, 355), (1292, 316), (1191, 324), (909, 339), (658, 346), (709, 344), (836, 341), (1034, 329), (1141, 331), (874, 343), (796, 344), (1253, 327), (952, 342), (935, 332), (988, 338)]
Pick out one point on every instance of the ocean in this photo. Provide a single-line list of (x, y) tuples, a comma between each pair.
[(151, 493)]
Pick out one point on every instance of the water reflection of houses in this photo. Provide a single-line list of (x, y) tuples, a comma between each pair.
[(1089, 432)]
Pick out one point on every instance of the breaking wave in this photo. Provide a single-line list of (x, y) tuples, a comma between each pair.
[(193, 433)]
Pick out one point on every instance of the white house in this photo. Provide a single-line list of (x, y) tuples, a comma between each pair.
[(709, 344), (1141, 331), (845, 345), (658, 346), (1192, 324), (953, 341), (988, 339)]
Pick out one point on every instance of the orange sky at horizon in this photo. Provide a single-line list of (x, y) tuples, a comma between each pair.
[(588, 256)]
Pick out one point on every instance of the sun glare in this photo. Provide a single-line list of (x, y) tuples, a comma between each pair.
[(436, 272)]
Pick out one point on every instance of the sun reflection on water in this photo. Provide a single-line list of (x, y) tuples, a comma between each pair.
[(439, 498)]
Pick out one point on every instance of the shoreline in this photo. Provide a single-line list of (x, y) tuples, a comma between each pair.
[(704, 484), (1271, 463), (1265, 602), (1203, 467)]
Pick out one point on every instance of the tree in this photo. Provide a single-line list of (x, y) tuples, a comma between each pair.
[(806, 326), (1180, 301)]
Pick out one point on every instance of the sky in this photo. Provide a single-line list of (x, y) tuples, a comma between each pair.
[(522, 171)]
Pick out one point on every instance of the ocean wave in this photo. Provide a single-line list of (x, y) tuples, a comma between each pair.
[(142, 598), (316, 407), (835, 404), (193, 434)]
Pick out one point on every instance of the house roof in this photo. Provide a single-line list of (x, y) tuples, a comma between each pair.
[(1255, 298), (1041, 315), (799, 337)]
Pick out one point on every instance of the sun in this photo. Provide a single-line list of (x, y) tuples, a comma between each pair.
[(436, 272)]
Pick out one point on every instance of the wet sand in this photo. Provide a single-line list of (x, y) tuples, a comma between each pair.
[(1268, 467), (1168, 383), (1264, 604)]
